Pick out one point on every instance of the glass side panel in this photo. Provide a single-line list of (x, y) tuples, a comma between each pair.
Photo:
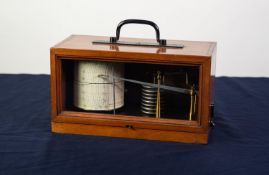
[(134, 89)]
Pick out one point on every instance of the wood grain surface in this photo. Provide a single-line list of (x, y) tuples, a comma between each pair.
[(79, 47)]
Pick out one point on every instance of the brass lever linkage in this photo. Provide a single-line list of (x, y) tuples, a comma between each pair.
[(158, 100), (193, 97)]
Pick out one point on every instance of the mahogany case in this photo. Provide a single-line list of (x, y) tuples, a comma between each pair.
[(197, 59)]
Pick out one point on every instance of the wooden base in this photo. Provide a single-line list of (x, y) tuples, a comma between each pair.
[(148, 134)]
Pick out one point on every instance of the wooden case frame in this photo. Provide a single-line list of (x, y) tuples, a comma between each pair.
[(77, 47)]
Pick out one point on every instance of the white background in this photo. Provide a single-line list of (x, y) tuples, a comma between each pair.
[(28, 28)]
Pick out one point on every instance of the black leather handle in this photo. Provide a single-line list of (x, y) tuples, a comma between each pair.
[(138, 21)]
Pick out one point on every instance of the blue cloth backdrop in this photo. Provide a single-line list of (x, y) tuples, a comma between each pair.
[(239, 144)]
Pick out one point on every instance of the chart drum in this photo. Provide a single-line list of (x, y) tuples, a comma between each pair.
[(95, 88)]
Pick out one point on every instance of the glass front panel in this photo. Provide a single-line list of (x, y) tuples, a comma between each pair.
[(133, 89)]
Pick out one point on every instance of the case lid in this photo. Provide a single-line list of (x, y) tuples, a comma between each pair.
[(85, 43)]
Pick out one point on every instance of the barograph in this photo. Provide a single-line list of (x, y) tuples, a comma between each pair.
[(151, 89)]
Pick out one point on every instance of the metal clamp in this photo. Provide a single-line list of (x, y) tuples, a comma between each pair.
[(211, 122)]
